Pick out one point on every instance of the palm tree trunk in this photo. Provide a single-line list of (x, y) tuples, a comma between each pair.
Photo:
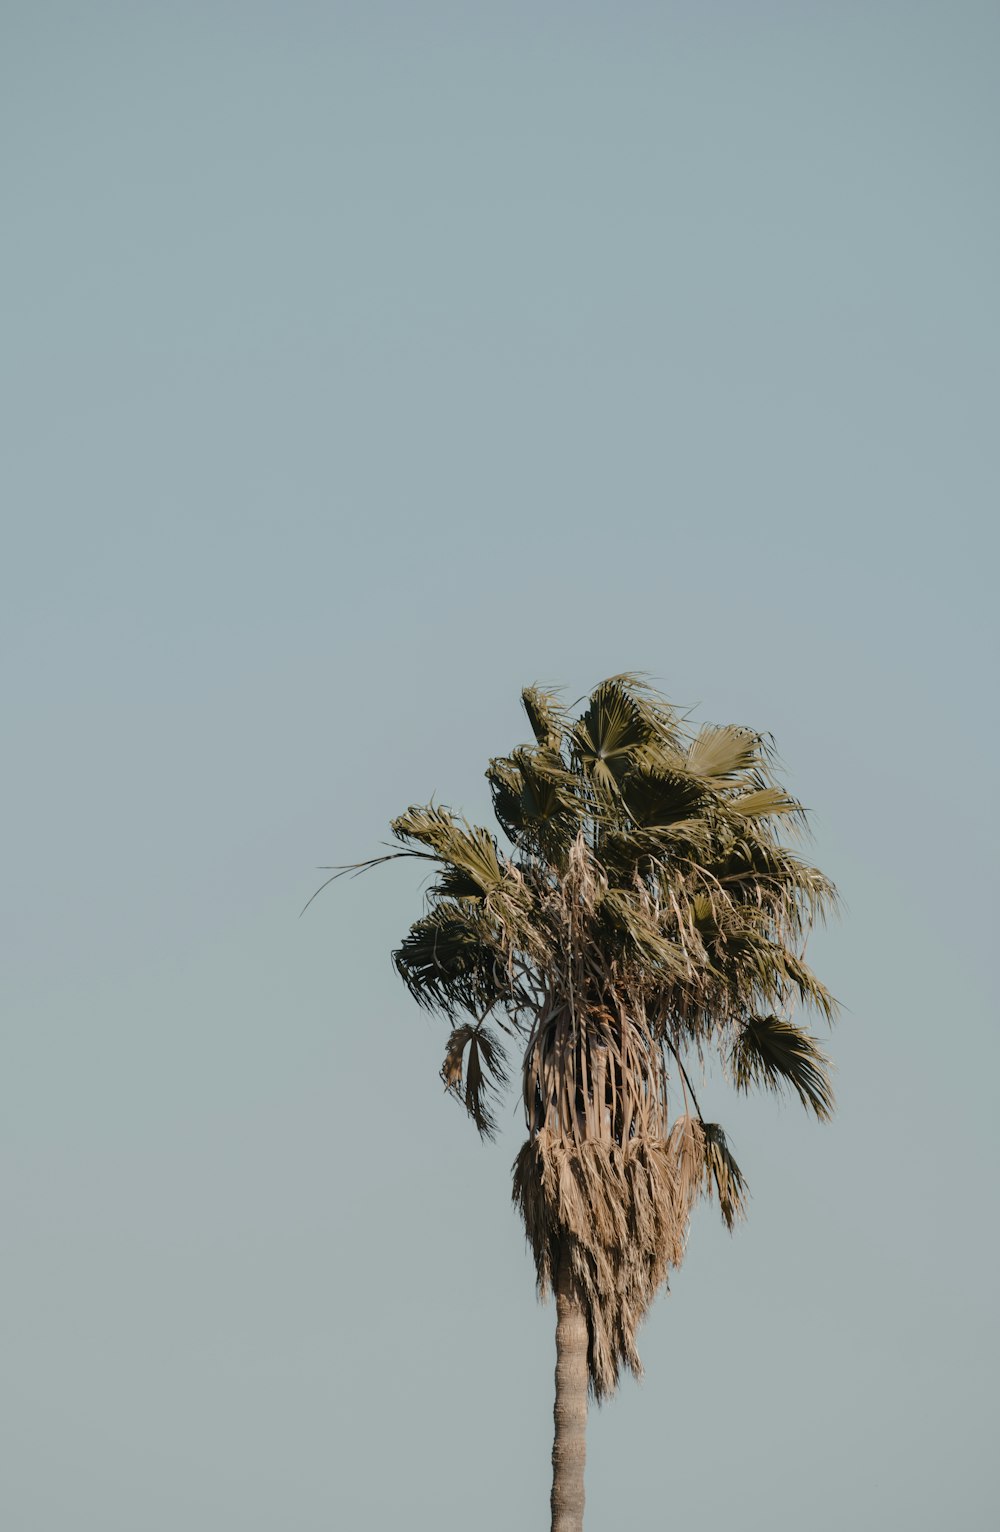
[(569, 1449)]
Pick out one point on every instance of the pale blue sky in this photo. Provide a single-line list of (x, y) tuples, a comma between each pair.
[(360, 364)]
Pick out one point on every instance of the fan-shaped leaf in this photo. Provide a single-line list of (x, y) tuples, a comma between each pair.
[(772, 1052), (608, 734), (470, 850), (546, 716), (723, 752)]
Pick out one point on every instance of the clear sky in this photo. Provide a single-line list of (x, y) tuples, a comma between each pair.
[(362, 363)]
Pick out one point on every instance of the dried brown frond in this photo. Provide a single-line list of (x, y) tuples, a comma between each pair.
[(704, 1166), (611, 1212), (686, 1149)]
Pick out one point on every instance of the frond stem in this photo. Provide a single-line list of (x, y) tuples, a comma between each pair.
[(687, 1079)]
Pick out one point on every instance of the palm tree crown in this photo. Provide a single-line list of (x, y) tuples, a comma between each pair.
[(645, 911)]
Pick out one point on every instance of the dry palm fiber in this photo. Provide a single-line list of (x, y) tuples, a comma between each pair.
[(609, 1212), (618, 1214)]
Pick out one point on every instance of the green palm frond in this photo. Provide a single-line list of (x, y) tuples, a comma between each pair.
[(546, 716), (548, 791), (754, 968), (475, 1072), (607, 735), (537, 801), (749, 866), (658, 792), (506, 787), (468, 854), (775, 1053), (451, 960), (800, 977), (662, 720), (725, 1176), (630, 915)]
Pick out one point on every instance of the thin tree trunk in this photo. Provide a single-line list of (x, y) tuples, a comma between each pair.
[(569, 1449)]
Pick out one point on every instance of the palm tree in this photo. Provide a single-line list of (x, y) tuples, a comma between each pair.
[(646, 911)]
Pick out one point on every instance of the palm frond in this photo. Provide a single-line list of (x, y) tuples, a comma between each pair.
[(452, 959), (686, 1148), (658, 792), (723, 753), (751, 868), (704, 1166), (607, 735), (727, 1179), (468, 854), (633, 916), (475, 1072), (546, 715), (774, 1053), (506, 788), (811, 991), (537, 801), (766, 803), (355, 869)]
